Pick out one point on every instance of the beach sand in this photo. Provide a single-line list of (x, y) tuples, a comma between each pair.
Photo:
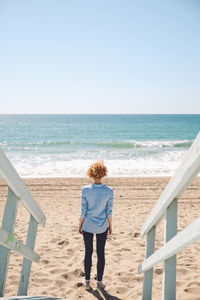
[(60, 270)]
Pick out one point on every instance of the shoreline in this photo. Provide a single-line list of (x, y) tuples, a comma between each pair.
[(60, 246)]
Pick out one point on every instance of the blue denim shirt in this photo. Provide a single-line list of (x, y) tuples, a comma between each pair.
[(96, 207)]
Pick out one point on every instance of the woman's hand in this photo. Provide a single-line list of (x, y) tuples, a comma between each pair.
[(109, 229), (80, 230), (110, 225), (80, 226)]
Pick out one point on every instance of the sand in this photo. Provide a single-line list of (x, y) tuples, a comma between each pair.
[(60, 270)]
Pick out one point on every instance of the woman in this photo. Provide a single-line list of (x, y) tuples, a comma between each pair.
[(96, 217)]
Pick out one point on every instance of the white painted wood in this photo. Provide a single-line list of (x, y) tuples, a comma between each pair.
[(10, 242), (33, 298), (183, 239), (26, 267), (10, 176), (8, 223), (187, 171), (148, 275), (169, 267)]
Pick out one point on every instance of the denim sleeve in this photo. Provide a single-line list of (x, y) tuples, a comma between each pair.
[(109, 205), (84, 205)]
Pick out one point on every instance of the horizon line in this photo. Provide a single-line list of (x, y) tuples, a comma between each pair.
[(99, 113)]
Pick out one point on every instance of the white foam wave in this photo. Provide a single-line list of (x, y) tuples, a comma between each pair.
[(46, 166), (160, 144)]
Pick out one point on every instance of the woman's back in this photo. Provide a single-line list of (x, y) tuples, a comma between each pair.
[(96, 203)]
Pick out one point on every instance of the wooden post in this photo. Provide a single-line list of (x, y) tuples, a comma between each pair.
[(10, 176), (169, 268), (8, 224), (26, 268), (148, 275)]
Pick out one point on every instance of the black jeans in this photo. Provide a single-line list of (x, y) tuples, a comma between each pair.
[(100, 248)]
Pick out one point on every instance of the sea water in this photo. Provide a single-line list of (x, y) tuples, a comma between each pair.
[(65, 145)]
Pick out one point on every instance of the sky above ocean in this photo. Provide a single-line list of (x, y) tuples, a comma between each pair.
[(99, 56)]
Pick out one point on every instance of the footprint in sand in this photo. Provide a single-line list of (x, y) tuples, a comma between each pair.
[(63, 243), (54, 240), (14, 282), (70, 251), (41, 274), (117, 254), (13, 277), (65, 276), (126, 249), (106, 277), (131, 270), (67, 257), (193, 284), (136, 234), (193, 290), (42, 280), (68, 292), (77, 273), (181, 271), (138, 278), (60, 283), (51, 287), (116, 244), (57, 271), (126, 277), (158, 271), (70, 264), (79, 284), (118, 273), (44, 292), (45, 261), (121, 290)]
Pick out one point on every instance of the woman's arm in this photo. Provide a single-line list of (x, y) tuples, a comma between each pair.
[(83, 210), (110, 225), (80, 225), (109, 211)]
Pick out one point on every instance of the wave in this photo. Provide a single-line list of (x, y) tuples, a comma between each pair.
[(107, 144), (184, 144), (34, 145), (147, 144), (143, 167)]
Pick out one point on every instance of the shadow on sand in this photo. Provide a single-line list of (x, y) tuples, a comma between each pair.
[(106, 295)]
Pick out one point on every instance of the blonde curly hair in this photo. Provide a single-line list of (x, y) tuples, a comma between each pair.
[(97, 170)]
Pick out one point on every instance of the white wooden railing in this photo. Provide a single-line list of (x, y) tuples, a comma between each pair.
[(17, 191), (166, 207)]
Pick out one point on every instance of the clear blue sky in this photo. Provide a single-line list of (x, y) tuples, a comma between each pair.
[(99, 56)]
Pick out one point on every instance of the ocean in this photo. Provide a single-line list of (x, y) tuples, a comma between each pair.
[(65, 145)]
